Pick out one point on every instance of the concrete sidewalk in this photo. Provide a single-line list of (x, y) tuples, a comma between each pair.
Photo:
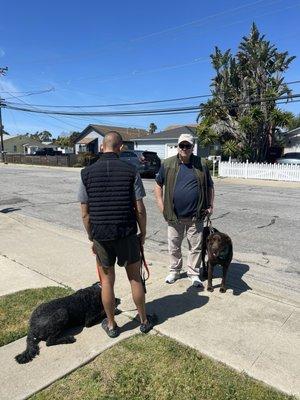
[(252, 328)]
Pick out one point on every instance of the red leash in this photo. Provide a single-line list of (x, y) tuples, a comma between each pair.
[(144, 263)]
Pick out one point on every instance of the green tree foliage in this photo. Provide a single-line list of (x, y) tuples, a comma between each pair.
[(67, 141), (242, 114), (44, 136), (62, 141), (294, 122), (152, 128), (73, 137), (34, 136)]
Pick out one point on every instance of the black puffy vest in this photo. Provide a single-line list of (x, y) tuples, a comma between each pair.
[(110, 187)]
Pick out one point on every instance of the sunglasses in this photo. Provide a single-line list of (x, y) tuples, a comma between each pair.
[(185, 146)]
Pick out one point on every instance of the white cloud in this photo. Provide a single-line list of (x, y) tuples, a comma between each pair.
[(7, 86), (2, 52)]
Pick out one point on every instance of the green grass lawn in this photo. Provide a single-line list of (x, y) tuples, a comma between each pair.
[(154, 367), (16, 308)]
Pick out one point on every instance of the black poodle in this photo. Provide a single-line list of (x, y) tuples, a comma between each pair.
[(49, 320)]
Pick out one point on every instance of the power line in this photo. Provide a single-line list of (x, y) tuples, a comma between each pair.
[(28, 92), (133, 103), (39, 111), (109, 45), (199, 22), (31, 93), (147, 112), (124, 104)]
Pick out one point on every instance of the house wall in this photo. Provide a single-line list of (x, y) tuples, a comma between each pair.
[(13, 147), (293, 142), (90, 135), (30, 149), (66, 150), (166, 147), (17, 146), (159, 146)]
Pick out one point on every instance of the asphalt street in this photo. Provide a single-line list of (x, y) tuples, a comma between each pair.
[(260, 219)]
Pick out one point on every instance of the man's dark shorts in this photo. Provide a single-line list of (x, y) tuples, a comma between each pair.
[(126, 251)]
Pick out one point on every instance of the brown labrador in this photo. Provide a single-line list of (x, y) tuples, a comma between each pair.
[(218, 248)]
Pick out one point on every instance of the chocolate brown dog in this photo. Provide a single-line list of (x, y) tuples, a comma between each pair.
[(218, 248)]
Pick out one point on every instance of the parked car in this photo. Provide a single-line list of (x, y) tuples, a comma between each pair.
[(289, 158), (47, 151), (146, 162)]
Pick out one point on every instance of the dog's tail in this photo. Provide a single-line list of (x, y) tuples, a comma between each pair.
[(32, 349)]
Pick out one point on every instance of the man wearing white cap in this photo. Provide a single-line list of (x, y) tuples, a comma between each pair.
[(184, 193)]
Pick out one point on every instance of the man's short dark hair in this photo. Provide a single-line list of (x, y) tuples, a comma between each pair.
[(112, 139)]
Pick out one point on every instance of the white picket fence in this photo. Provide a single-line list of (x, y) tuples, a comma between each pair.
[(277, 172)]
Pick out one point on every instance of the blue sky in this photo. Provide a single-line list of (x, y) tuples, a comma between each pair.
[(96, 52)]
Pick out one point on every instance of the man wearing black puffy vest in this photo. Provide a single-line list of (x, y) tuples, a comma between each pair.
[(111, 196)]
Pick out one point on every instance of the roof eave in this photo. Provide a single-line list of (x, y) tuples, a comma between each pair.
[(161, 138)]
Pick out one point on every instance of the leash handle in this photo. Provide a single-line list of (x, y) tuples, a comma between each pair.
[(209, 224)]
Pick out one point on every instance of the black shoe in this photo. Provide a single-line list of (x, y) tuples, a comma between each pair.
[(151, 321), (113, 332)]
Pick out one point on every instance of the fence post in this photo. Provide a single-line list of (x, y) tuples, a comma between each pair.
[(246, 169)]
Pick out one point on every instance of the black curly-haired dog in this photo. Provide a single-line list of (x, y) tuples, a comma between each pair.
[(217, 246), (49, 320)]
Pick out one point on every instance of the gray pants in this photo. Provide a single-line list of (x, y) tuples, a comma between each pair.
[(176, 232)]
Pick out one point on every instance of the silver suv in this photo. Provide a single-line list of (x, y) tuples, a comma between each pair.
[(146, 162)]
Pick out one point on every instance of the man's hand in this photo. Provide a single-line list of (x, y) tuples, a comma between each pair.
[(158, 191), (86, 220), (210, 210), (141, 217)]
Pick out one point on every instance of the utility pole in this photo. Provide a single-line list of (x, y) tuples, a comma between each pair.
[(2, 157)]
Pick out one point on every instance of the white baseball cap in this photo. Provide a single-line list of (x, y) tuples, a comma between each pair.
[(186, 137)]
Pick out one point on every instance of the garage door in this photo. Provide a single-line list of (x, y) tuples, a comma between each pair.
[(171, 150)]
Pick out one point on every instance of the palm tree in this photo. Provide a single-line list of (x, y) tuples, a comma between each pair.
[(152, 128), (244, 92)]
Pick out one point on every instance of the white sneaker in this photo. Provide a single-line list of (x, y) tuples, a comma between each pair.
[(172, 277), (196, 281)]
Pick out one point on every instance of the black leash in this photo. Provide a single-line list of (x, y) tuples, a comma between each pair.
[(144, 267), (209, 225)]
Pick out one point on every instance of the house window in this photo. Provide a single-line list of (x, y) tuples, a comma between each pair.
[(15, 148)]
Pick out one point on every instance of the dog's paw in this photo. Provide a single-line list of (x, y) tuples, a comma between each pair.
[(70, 339), (222, 289), (210, 288)]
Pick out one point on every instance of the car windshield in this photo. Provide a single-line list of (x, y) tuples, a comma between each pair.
[(292, 155)]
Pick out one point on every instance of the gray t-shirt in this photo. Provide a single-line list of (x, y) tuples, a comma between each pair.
[(139, 190)]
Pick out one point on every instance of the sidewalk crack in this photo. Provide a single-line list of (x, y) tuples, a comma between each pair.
[(278, 332), (34, 270)]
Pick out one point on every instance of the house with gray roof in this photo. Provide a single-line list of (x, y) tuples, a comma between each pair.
[(164, 143), (292, 141), (92, 136), (21, 144)]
